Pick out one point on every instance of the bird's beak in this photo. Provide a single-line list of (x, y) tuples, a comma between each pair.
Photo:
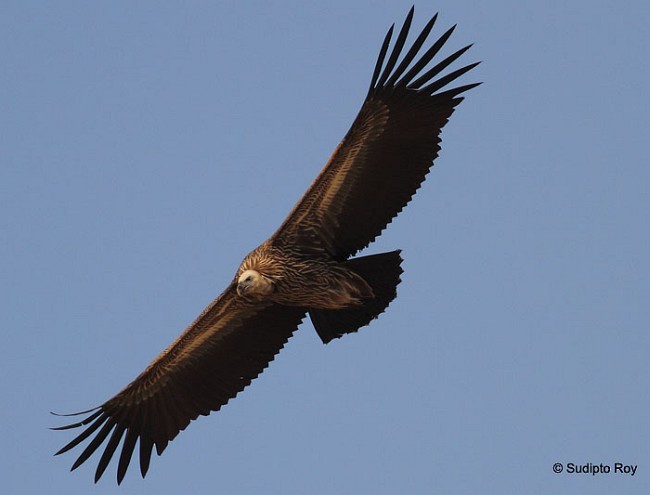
[(242, 288)]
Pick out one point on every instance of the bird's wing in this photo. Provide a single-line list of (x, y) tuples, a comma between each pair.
[(218, 355), (386, 154)]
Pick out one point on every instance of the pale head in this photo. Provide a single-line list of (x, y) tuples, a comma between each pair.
[(252, 283)]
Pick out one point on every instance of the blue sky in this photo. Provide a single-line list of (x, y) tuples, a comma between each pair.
[(146, 148)]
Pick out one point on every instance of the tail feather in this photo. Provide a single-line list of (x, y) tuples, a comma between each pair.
[(382, 272)]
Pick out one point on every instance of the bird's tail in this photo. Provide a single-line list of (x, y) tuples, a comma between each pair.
[(382, 272)]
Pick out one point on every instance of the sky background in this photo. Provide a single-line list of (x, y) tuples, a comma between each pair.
[(146, 147)]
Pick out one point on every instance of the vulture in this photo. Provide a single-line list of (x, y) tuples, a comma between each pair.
[(305, 267)]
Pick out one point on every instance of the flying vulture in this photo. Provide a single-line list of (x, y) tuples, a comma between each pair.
[(305, 267)]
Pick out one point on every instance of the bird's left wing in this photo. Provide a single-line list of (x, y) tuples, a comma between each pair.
[(218, 355)]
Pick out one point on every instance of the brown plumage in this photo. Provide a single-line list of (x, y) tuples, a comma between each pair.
[(305, 267)]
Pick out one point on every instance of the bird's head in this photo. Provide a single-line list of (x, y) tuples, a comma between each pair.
[(252, 283)]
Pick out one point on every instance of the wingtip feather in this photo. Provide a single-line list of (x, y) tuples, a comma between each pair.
[(80, 413), (397, 48), (380, 58)]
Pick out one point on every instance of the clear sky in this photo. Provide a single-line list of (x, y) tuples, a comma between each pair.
[(146, 147)]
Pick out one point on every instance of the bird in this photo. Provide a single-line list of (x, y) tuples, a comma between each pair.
[(307, 267)]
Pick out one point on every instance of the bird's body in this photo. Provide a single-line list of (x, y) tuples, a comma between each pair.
[(291, 278), (306, 267)]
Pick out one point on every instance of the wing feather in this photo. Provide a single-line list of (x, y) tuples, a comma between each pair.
[(127, 451), (219, 354), (384, 158), (424, 59), (380, 58), (413, 51), (397, 49)]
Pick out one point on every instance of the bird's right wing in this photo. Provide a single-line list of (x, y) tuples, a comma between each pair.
[(218, 355), (386, 154)]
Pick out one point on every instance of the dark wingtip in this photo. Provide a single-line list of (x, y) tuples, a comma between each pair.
[(126, 454), (397, 48), (380, 58), (146, 447), (407, 79), (453, 93), (412, 52), (66, 427), (74, 414), (452, 76)]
